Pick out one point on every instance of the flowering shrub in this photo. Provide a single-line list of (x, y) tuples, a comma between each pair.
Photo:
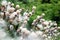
[(17, 21)]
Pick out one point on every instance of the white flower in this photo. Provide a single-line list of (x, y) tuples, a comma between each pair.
[(50, 21), (27, 32), (18, 12), (39, 33), (42, 20), (23, 30), (20, 18), (58, 33), (4, 3), (9, 3), (49, 37), (30, 13), (46, 23), (7, 13), (46, 38), (52, 28), (45, 27), (44, 35), (55, 34), (17, 6), (38, 17), (3, 23), (43, 14), (14, 13), (34, 7), (12, 4), (55, 24), (47, 30), (58, 27), (20, 28), (11, 27), (11, 9), (25, 22), (40, 26), (34, 21), (2, 14), (8, 8), (55, 30), (25, 14), (15, 21), (11, 16)]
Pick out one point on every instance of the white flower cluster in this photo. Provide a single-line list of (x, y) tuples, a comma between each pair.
[(48, 28), (12, 20), (13, 16)]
